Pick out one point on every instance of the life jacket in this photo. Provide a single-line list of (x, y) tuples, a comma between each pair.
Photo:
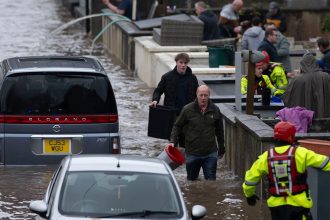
[(283, 177), (270, 70), (259, 84)]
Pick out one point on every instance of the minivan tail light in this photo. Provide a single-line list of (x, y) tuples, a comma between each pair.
[(63, 119), (115, 146)]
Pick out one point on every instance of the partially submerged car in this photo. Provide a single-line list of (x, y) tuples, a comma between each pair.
[(113, 187), (53, 106)]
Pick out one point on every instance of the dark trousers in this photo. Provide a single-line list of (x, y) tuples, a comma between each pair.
[(208, 163), (288, 212)]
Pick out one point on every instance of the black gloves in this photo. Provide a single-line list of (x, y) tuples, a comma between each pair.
[(252, 200)]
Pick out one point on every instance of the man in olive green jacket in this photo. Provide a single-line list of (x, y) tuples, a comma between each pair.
[(201, 123)]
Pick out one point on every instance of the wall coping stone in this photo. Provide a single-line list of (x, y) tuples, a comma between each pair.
[(128, 27)]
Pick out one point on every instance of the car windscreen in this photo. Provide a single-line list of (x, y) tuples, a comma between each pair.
[(57, 94), (110, 194)]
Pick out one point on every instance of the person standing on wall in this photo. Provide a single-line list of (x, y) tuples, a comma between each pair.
[(124, 7), (229, 19), (285, 165), (210, 20), (268, 44), (201, 122), (253, 35), (310, 89), (276, 17), (324, 47), (282, 46)]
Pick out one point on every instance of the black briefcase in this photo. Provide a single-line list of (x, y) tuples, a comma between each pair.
[(161, 120)]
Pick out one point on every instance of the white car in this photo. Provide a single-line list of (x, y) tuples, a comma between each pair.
[(113, 187)]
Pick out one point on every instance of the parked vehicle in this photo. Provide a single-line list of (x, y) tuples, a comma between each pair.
[(113, 187), (54, 106)]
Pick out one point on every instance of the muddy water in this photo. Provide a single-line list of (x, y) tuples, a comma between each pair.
[(25, 28)]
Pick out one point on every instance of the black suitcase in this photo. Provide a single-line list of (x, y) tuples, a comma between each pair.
[(161, 120)]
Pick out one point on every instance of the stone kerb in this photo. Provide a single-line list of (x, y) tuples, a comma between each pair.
[(164, 62)]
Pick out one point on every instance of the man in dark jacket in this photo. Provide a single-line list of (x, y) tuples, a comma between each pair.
[(178, 85), (201, 122), (310, 89), (210, 20), (324, 47), (268, 44)]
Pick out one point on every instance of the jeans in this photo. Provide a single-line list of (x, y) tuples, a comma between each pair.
[(195, 163)]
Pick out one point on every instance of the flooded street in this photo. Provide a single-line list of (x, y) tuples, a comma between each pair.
[(26, 25)]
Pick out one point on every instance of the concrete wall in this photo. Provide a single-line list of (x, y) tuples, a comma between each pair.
[(153, 60), (246, 136), (119, 39)]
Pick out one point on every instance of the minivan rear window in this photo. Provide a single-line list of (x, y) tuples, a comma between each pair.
[(57, 94)]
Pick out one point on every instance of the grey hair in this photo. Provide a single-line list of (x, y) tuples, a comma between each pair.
[(201, 4)]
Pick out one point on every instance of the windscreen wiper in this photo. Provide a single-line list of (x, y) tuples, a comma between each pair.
[(141, 213), (75, 76)]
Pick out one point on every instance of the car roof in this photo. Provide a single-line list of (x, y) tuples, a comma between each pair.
[(53, 63), (128, 163)]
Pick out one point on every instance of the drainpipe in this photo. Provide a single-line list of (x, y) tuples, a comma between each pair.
[(87, 12), (134, 8)]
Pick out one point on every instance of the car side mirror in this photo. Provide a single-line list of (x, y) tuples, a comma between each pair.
[(198, 212), (39, 207)]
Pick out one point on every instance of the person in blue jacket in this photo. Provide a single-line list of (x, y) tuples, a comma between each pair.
[(124, 7), (324, 47)]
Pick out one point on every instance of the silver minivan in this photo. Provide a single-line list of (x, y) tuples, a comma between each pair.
[(52, 106)]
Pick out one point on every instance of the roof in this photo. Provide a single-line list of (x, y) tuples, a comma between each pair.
[(47, 63), (128, 163)]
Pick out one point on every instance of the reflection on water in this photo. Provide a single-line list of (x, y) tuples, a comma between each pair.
[(18, 186), (27, 25)]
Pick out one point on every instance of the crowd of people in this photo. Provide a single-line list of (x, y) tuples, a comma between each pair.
[(199, 126)]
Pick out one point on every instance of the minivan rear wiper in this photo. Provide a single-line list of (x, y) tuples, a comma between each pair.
[(141, 213), (75, 76)]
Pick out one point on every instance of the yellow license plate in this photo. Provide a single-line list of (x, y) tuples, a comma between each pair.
[(57, 146)]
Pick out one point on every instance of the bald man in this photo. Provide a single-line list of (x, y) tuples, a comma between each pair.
[(229, 19), (201, 123)]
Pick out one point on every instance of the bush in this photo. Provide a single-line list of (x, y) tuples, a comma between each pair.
[(325, 24)]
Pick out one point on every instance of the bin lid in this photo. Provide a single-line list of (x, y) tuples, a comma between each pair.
[(219, 42)]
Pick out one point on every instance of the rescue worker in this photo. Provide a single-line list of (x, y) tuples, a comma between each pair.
[(260, 82), (286, 167), (276, 73)]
